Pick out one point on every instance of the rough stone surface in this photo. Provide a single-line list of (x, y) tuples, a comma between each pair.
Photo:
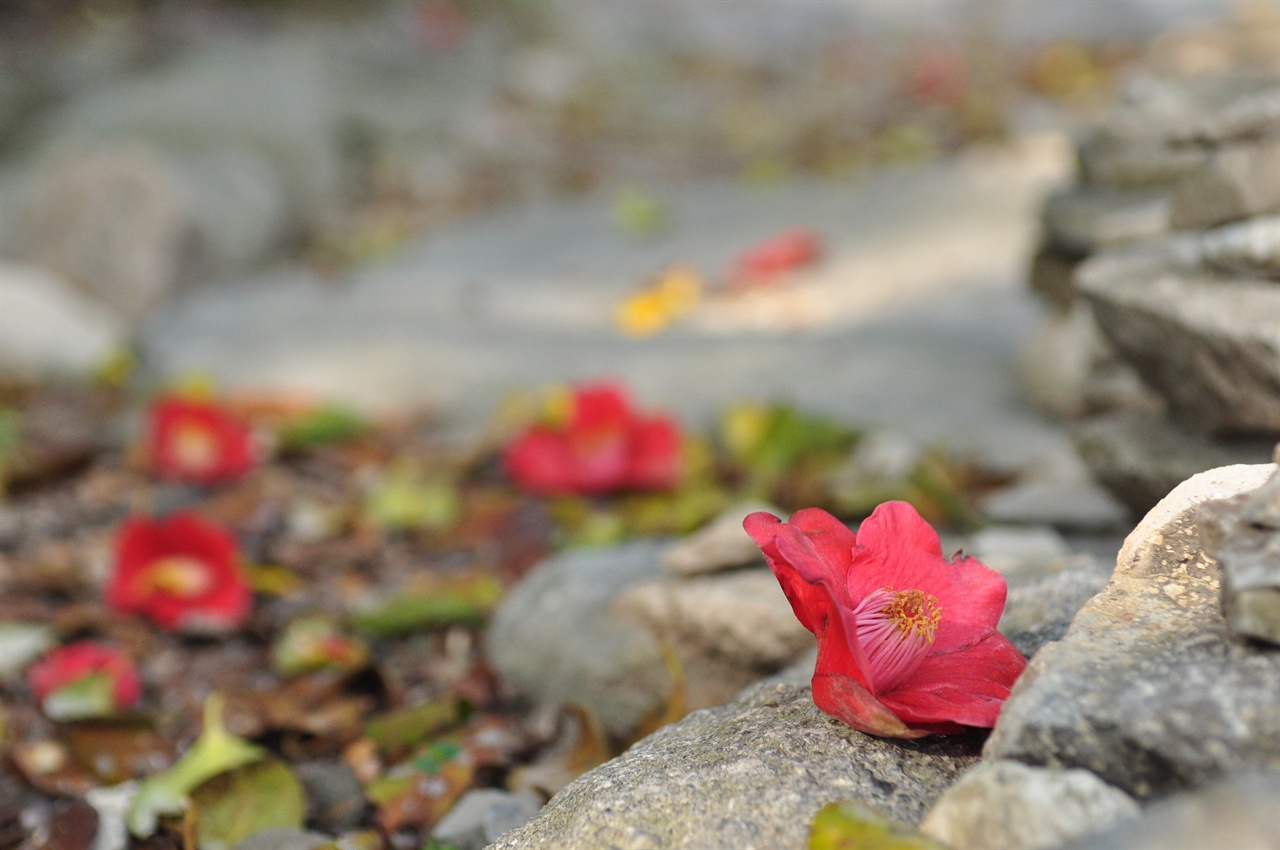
[(1140, 458), (1068, 369), (1210, 346), (1243, 534), (48, 328), (1147, 689), (1236, 182), (1249, 247), (1052, 276), (285, 839), (484, 814), (1239, 813), (728, 630), (1012, 806), (114, 223), (556, 639), (1084, 219), (749, 774), (722, 543), (1041, 603)]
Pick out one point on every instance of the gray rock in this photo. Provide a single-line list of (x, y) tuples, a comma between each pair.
[(335, 797), (556, 639), (1147, 689), (1067, 369), (1068, 503), (1084, 219), (482, 815), (749, 774), (1015, 549), (1140, 458), (722, 543), (1210, 346), (267, 94), (1009, 805), (285, 839), (1243, 534), (47, 328), (1236, 182), (1136, 164), (728, 630), (1042, 603), (1250, 247), (1239, 813), (1052, 275), (115, 223)]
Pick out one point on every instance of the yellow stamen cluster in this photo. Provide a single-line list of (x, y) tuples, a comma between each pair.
[(177, 576), (195, 448), (914, 612)]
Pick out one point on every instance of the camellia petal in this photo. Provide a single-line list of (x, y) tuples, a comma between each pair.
[(599, 445), (200, 442), (906, 638), (67, 667), (180, 572)]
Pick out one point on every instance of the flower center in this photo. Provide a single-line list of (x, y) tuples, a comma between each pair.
[(895, 630), (195, 448), (176, 575)]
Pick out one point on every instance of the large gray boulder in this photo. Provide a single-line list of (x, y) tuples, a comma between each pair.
[(1148, 689), (1210, 345), (556, 640), (748, 774)]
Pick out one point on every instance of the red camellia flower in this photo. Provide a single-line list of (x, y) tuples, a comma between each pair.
[(181, 572), (200, 442), (907, 640), (85, 679), (781, 253), (601, 446)]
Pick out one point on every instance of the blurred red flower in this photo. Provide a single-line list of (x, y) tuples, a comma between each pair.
[(85, 679), (600, 445), (781, 253), (907, 640), (181, 572), (200, 442)]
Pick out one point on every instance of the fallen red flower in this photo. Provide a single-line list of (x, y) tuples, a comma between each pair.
[(907, 640), (602, 446), (63, 681), (181, 572), (200, 442), (781, 253)]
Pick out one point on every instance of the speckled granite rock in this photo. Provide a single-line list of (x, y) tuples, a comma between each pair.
[(1243, 534), (1148, 689), (556, 640), (1239, 813), (1013, 806), (1140, 458), (1207, 343), (749, 774)]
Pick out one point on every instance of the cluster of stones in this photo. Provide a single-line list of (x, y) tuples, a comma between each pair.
[(1162, 269), (1145, 718)]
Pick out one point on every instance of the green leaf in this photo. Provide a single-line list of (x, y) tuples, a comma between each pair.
[(853, 826), (89, 696), (235, 805), (326, 425), (314, 643), (404, 500), (637, 213), (215, 751), (399, 730), (465, 601)]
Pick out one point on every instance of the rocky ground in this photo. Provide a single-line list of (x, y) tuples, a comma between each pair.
[(425, 212)]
